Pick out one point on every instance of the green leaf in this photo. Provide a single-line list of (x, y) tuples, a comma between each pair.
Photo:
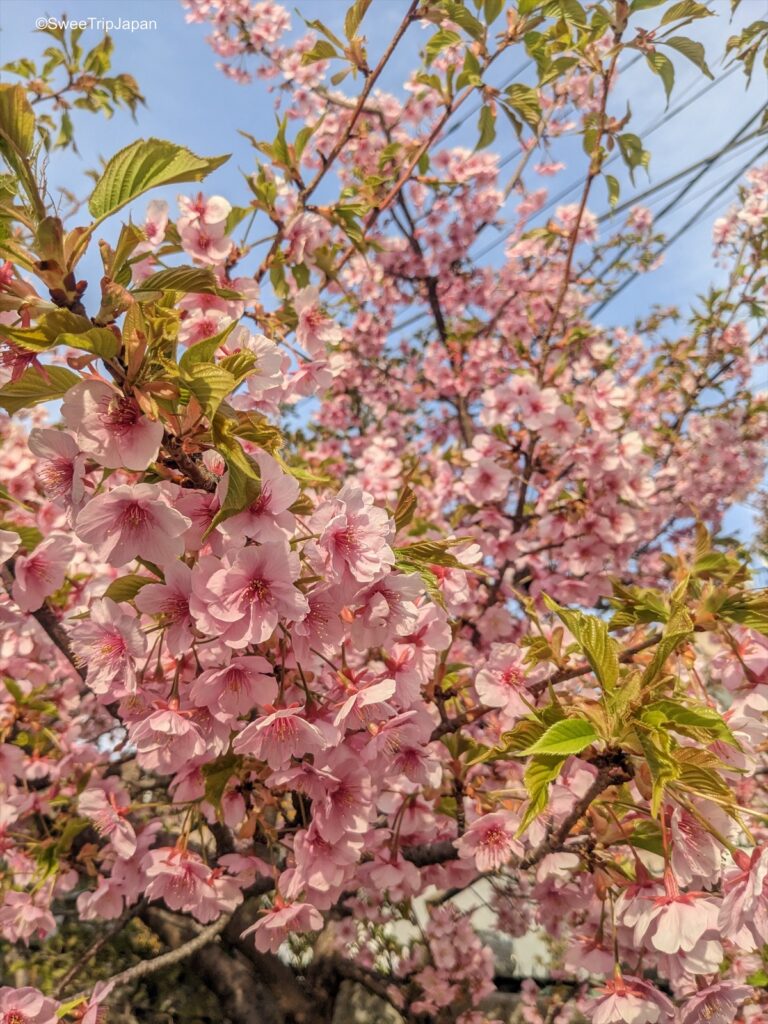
[(677, 631), (539, 772), (243, 481), (493, 9), (17, 121), (430, 552), (591, 634), (125, 588), (143, 165), (691, 49), (203, 351), (32, 387), (196, 280), (210, 384), (664, 68), (573, 12), (98, 340), (632, 152), (525, 100), (704, 782), (750, 610), (440, 41), (486, 126), (646, 835), (406, 506), (322, 50), (257, 428), (613, 189), (685, 9), (698, 718), (570, 736), (354, 16), (29, 536), (662, 768), (216, 775), (524, 734), (61, 327)]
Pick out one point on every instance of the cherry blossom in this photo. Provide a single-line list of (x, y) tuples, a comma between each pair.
[(111, 427), (131, 521)]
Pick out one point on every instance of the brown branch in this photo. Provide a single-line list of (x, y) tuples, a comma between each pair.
[(581, 670), (243, 996), (173, 956), (595, 164), (613, 770), (46, 618), (95, 947), (370, 81)]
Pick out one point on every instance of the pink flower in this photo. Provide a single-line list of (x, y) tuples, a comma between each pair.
[(743, 914), (178, 877), (321, 629), (235, 689), (92, 1011), (268, 518), (132, 521), (109, 818), (156, 221), (315, 329), (366, 704), (108, 643), (110, 426), (23, 917), (279, 736), (62, 469), (267, 373), (211, 211), (717, 1004), (387, 608), (205, 243), (491, 841), (271, 930), (41, 573), (504, 676), (10, 543), (27, 1006), (242, 602), (629, 1000), (170, 600), (167, 739), (696, 854), (675, 922), (485, 481), (11, 764), (353, 538)]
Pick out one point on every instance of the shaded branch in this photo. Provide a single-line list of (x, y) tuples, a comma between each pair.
[(48, 621)]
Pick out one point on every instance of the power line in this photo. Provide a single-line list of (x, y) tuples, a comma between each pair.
[(645, 133), (706, 165), (703, 209)]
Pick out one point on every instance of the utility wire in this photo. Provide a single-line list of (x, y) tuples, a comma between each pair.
[(661, 186), (645, 133), (706, 165), (701, 212)]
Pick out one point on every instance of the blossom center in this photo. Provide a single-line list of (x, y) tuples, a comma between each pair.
[(257, 590), (135, 516), (120, 415)]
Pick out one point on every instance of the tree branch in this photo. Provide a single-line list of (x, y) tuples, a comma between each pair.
[(47, 620)]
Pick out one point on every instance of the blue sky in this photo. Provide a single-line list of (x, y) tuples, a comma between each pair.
[(190, 102)]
